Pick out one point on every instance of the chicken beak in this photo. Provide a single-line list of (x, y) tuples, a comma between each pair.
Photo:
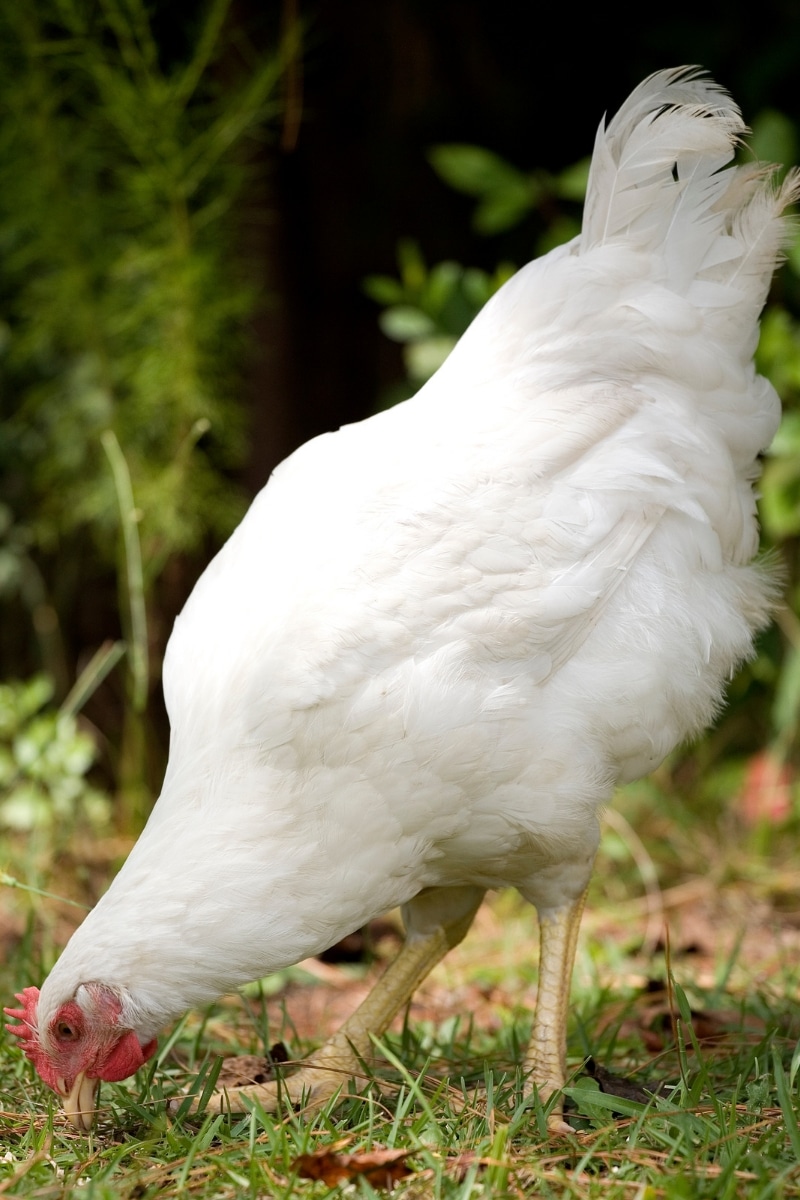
[(80, 1101)]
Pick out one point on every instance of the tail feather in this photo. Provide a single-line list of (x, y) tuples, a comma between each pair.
[(758, 225), (677, 126), (657, 184)]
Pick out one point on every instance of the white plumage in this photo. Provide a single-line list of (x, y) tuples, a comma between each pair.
[(441, 637)]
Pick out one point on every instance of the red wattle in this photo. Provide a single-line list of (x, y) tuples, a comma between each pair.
[(125, 1059)]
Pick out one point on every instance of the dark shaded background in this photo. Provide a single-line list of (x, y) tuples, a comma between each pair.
[(384, 81)]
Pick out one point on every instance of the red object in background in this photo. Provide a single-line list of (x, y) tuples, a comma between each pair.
[(767, 792)]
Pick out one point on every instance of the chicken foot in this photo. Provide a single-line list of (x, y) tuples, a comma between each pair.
[(436, 920), (545, 1061)]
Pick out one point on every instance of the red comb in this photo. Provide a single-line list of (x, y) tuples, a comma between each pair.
[(26, 1031)]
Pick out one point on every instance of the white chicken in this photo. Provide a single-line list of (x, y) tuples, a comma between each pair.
[(443, 636)]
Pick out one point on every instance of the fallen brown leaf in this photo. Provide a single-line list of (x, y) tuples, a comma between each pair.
[(380, 1167), (651, 1019), (242, 1070)]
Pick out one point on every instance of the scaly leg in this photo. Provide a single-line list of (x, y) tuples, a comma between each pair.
[(546, 1059), (436, 920)]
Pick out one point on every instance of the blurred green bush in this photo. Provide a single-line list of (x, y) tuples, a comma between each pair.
[(123, 297), (44, 761)]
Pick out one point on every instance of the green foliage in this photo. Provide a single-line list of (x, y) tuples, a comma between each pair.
[(123, 300), (779, 358), (120, 290), (724, 1125), (44, 761), (427, 309), (504, 194)]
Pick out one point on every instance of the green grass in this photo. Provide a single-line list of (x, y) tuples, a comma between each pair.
[(705, 1017), (447, 1089), (728, 1128)]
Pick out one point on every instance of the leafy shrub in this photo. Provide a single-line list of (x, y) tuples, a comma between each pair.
[(44, 761)]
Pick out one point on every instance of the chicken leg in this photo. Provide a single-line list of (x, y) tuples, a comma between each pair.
[(436, 920), (545, 1060)]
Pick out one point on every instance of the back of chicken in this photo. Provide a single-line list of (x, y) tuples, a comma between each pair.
[(441, 637)]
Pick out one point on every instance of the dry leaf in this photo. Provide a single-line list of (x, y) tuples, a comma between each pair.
[(651, 1020), (243, 1070), (380, 1167)]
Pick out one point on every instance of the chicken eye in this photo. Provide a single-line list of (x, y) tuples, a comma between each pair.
[(66, 1032)]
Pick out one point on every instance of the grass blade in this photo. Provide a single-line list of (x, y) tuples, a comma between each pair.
[(133, 569)]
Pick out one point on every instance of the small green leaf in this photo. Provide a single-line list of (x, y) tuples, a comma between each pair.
[(405, 324), (384, 290), (413, 270), (443, 283), (472, 169), (424, 358), (503, 208), (478, 287), (571, 183)]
